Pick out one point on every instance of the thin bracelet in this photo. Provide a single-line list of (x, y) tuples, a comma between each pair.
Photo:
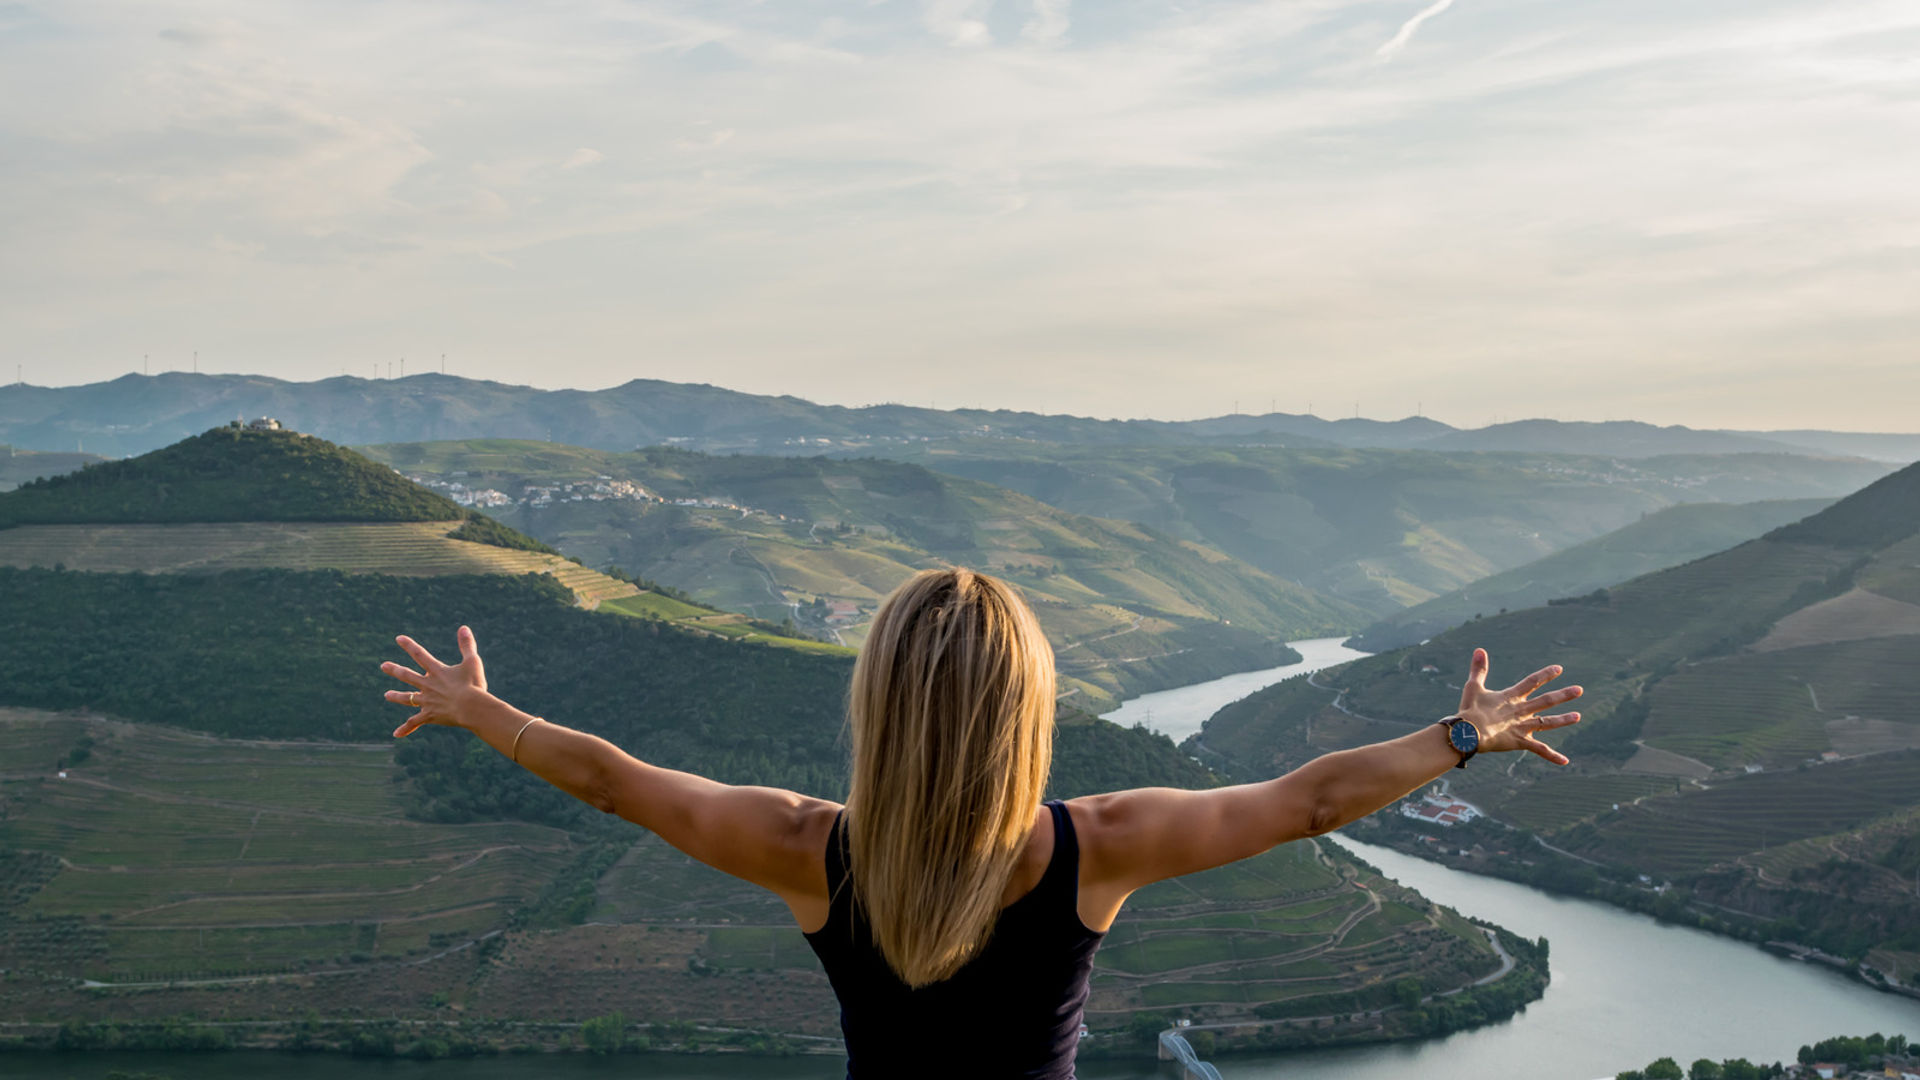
[(523, 731)]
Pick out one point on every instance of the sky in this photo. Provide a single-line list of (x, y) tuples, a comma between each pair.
[(1476, 210)]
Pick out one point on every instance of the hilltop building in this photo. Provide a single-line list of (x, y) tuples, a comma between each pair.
[(1443, 810), (264, 423)]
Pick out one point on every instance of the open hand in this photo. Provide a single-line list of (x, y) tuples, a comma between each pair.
[(1509, 719), (443, 691)]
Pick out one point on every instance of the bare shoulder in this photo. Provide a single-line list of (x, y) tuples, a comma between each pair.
[(1112, 827), (811, 825)]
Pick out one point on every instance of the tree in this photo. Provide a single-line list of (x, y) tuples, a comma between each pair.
[(1146, 1027), (1705, 1069), (1665, 1069), (605, 1034)]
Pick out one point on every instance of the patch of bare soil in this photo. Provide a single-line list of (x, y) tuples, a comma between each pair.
[(1852, 616), (1859, 735), (1649, 761)]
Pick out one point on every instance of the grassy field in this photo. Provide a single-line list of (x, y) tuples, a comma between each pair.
[(409, 549), (412, 548)]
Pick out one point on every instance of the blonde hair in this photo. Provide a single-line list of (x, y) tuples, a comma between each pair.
[(951, 714)]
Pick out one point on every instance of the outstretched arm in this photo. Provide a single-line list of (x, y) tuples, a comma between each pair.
[(770, 837), (1145, 835)]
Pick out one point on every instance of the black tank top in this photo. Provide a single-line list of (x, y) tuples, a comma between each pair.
[(1012, 1012)]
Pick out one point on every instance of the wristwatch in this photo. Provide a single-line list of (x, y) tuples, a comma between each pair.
[(1462, 736)]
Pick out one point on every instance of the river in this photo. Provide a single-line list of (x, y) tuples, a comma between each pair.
[(1179, 712), (1625, 990)]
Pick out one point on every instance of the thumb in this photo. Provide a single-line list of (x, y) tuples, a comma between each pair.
[(469, 649), (1477, 672)]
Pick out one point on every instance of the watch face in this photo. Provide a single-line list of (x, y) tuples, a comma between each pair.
[(1464, 736)]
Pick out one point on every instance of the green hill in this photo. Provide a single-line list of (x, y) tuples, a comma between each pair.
[(237, 498), (228, 474), (1752, 732), (1660, 539), (1382, 529), (1129, 609)]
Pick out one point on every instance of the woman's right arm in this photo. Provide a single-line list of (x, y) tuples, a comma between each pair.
[(767, 836), (1134, 838)]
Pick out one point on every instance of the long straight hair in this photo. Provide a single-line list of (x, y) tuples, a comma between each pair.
[(951, 714)]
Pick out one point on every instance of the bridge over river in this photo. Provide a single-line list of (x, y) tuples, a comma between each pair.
[(1174, 1047)]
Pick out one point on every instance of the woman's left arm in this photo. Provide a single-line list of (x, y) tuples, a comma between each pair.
[(1133, 838), (767, 836)]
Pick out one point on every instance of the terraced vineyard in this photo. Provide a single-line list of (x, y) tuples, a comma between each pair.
[(1570, 799), (1699, 828), (1781, 708), (187, 857), (253, 879), (1275, 934), (1270, 937), (409, 548)]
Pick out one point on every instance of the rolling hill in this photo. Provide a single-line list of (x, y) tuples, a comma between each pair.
[(1384, 529), (1752, 733), (135, 413), (1660, 539), (205, 835), (1129, 610)]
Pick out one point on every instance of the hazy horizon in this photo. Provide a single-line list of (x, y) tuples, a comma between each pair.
[(988, 406), (1474, 210)]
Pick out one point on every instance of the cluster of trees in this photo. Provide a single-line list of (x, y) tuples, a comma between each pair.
[(1704, 1069), (481, 529), (1859, 1051), (295, 654), (174, 1034), (1854, 1051), (228, 474)]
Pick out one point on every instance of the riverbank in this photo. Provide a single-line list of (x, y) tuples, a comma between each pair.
[(415, 1040), (1493, 848)]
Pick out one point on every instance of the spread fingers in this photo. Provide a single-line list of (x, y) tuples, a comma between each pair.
[(1535, 681), (419, 653), (1549, 700), (404, 674)]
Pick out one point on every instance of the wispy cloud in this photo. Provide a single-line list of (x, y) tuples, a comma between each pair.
[(1409, 28), (1118, 209)]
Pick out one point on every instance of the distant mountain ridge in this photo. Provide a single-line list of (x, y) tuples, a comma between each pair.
[(136, 413)]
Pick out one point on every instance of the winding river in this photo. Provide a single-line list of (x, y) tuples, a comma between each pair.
[(1179, 712), (1625, 990)]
